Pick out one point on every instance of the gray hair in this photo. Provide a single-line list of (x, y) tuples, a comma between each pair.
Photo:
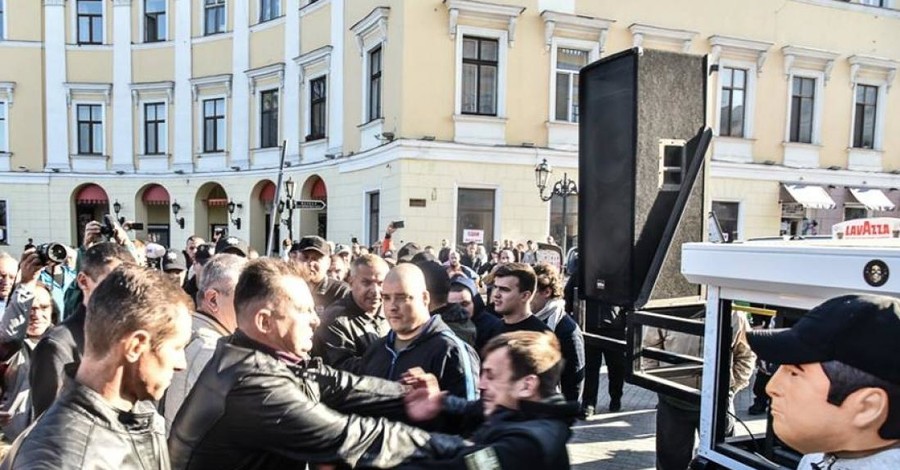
[(221, 273)]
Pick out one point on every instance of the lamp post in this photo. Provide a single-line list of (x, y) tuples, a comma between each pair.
[(289, 204), (562, 188)]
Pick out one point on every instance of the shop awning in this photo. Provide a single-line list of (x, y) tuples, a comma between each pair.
[(810, 196), (156, 195), (319, 191), (873, 199), (267, 195), (216, 202), (93, 195)]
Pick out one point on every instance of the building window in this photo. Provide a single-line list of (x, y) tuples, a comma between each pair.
[(90, 22), (154, 128), (374, 106), (475, 211), (268, 119), (803, 96), (479, 76), (373, 201), (734, 102), (214, 125), (269, 9), (214, 16), (90, 129), (318, 97), (4, 144), (568, 63), (874, 3), (4, 224), (154, 20), (727, 213), (864, 124), (855, 212)]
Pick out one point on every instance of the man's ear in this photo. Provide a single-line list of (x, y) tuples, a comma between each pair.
[(81, 279), (135, 344), (528, 387), (263, 320), (426, 297), (211, 297), (869, 407)]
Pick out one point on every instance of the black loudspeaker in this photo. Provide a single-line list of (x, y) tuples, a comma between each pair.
[(641, 147)]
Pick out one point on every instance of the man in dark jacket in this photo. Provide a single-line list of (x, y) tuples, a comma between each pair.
[(64, 343), (522, 421), (464, 293), (314, 254), (137, 325), (419, 339), (549, 307), (261, 403), (457, 318), (353, 323)]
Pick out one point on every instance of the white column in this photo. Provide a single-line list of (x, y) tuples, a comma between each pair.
[(183, 151), (336, 80), (240, 90), (122, 112), (57, 109), (291, 90)]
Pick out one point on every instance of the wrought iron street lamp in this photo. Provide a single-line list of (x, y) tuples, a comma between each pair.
[(562, 188), (289, 204)]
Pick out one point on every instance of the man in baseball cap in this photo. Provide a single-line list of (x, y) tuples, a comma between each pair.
[(313, 255), (233, 245), (836, 393)]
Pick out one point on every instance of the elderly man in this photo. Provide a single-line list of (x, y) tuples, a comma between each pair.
[(262, 403), (313, 254), (353, 323), (418, 339), (523, 422), (835, 394), (8, 268), (213, 319), (137, 325)]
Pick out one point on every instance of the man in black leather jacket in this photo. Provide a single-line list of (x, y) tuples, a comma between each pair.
[(137, 325), (261, 403), (522, 421)]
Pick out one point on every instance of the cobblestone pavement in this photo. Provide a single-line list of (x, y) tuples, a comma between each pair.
[(626, 440)]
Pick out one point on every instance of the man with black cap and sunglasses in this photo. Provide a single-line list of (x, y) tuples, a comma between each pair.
[(839, 374), (313, 254)]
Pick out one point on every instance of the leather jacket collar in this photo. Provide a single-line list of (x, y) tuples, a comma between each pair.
[(139, 419)]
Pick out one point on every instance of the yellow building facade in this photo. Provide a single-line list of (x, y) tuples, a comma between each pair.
[(435, 112)]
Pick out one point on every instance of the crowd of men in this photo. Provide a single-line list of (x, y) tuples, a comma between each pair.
[(339, 357)]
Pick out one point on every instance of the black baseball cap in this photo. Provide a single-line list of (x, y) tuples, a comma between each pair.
[(173, 261), (861, 331), (406, 252), (312, 242), (233, 245), (204, 253)]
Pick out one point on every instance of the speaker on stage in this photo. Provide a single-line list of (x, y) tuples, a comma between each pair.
[(641, 148)]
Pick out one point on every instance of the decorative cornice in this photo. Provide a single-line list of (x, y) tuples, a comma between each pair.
[(121, 3), (375, 22), (680, 37), (262, 73), (738, 47), (152, 87), (213, 80), (312, 58), (563, 22), (103, 89), (874, 65), (508, 14), (817, 58), (54, 3)]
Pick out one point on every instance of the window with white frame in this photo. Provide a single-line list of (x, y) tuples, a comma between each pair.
[(213, 16), (373, 203), (155, 128), (90, 129), (214, 125), (269, 10), (374, 102), (268, 118), (154, 20), (318, 108), (90, 21), (480, 64), (4, 143), (803, 102), (568, 63), (733, 107), (864, 121)]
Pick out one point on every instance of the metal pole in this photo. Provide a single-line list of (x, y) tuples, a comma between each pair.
[(565, 196), (290, 209)]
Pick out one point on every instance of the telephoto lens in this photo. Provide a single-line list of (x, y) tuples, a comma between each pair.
[(52, 253)]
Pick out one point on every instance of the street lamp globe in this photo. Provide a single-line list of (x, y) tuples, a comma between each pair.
[(541, 173), (289, 187)]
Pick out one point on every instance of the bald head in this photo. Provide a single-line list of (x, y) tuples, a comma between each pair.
[(409, 276), (406, 300)]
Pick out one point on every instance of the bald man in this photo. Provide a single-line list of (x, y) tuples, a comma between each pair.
[(418, 339), (261, 403)]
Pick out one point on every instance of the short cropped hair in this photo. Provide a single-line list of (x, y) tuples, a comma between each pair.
[(548, 278), (370, 261), (521, 271), (531, 352), (845, 379), (97, 259), (133, 298), (221, 273), (260, 283), (436, 281)]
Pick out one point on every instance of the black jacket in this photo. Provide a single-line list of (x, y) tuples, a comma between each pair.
[(437, 350), (457, 318), (252, 409), (534, 436), (571, 342), (328, 292), (61, 345), (346, 333), (81, 430)]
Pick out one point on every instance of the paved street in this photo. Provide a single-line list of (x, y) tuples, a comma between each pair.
[(626, 440)]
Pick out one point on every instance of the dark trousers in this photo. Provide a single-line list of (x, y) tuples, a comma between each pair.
[(615, 365), (675, 428), (760, 397)]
